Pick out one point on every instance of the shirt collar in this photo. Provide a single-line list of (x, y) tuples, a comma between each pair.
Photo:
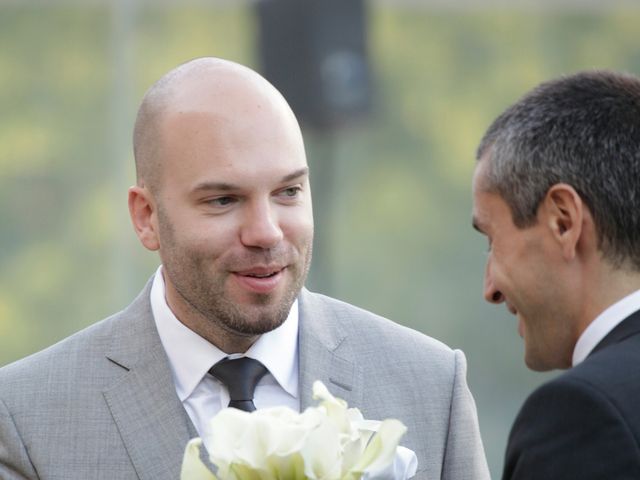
[(603, 324), (191, 356), (278, 351)]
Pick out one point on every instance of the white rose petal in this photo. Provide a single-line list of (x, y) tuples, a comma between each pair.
[(321, 452), (192, 466), (382, 448), (327, 442)]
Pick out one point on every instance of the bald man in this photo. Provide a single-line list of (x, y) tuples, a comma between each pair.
[(222, 194)]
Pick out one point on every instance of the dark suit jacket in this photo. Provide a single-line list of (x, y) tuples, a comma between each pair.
[(585, 424)]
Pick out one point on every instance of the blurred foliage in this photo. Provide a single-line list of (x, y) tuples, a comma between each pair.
[(399, 236)]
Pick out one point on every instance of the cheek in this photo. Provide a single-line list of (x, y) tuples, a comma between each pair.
[(298, 227), (513, 265), (495, 271), (204, 236), (214, 240)]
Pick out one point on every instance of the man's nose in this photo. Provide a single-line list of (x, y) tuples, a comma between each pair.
[(491, 293), (261, 227)]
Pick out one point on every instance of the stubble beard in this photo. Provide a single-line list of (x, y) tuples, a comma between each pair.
[(207, 296), (204, 292)]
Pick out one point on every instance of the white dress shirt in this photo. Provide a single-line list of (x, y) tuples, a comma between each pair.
[(191, 357), (603, 324)]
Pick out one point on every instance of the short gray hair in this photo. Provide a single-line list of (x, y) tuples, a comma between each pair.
[(583, 130)]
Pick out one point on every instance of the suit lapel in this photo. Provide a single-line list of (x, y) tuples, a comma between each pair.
[(145, 407), (323, 353), (152, 422), (628, 327)]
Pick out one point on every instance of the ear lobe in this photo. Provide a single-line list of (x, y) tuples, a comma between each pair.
[(143, 216), (565, 212)]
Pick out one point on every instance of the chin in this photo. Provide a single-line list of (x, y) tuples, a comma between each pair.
[(536, 366), (258, 327), (539, 363)]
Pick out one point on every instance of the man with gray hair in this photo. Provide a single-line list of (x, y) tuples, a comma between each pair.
[(556, 190)]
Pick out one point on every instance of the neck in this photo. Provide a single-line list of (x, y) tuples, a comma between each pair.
[(614, 283)]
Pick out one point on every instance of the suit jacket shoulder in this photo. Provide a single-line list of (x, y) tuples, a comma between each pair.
[(87, 406), (390, 371), (585, 423), (76, 357)]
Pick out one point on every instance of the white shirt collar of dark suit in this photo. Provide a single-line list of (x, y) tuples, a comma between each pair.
[(603, 324)]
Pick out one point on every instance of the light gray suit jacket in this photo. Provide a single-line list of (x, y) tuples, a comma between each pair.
[(101, 404)]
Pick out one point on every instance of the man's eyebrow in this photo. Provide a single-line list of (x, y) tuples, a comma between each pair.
[(227, 187), (217, 186), (297, 174)]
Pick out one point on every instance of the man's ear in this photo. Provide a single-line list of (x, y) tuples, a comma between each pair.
[(564, 212), (142, 209)]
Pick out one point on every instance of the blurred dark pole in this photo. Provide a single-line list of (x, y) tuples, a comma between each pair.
[(315, 53)]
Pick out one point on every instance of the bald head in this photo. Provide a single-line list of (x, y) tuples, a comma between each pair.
[(230, 94), (223, 195)]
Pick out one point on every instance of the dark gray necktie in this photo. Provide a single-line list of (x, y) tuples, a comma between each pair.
[(240, 376)]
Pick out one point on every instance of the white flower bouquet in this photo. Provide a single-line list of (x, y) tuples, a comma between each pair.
[(327, 442)]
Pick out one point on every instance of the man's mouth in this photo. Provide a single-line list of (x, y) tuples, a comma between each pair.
[(260, 275), (260, 272), (261, 280)]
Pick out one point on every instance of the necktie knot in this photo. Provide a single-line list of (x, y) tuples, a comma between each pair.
[(240, 376)]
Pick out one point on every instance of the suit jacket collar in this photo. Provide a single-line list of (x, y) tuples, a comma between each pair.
[(323, 352), (143, 402), (152, 422), (628, 327)]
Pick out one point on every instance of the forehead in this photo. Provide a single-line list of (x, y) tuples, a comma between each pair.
[(477, 188), (225, 119), (489, 208), (480, 180), (201, 145)]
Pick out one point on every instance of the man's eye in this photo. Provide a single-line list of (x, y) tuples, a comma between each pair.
[(291, 191), (221, 201)]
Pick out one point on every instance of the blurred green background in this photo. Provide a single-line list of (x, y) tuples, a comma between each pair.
[(395, 217)]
